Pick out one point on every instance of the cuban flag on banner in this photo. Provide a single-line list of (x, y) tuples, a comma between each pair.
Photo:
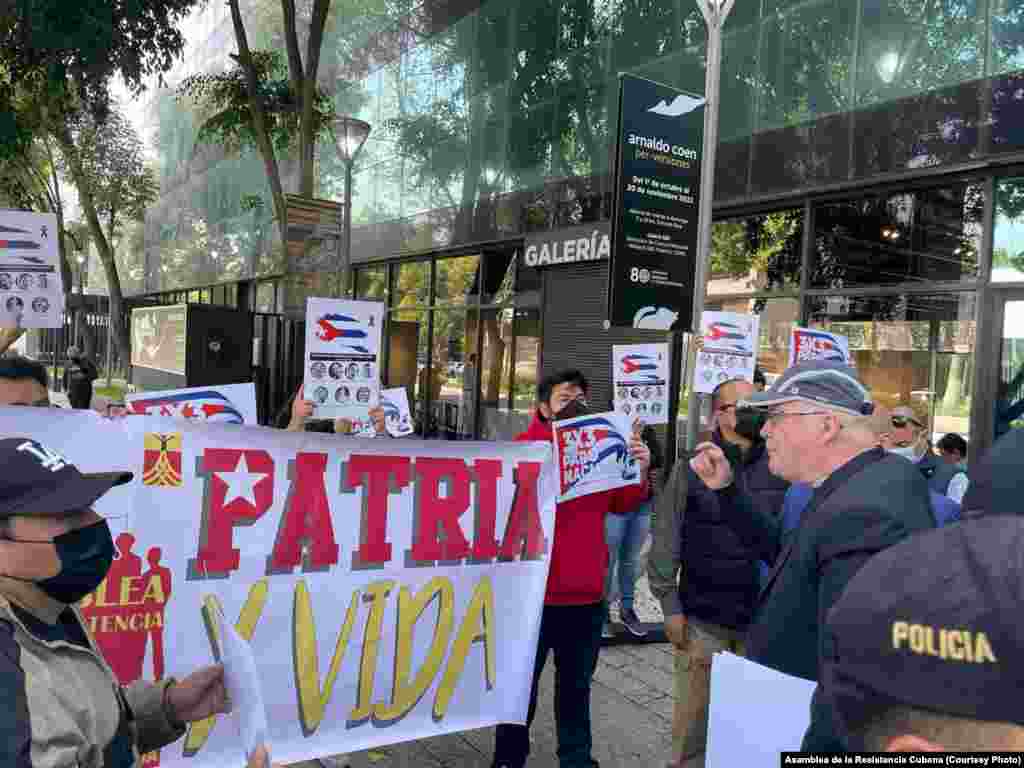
[(641, 367), (345, 329), (201, 405), (593, 456), (810, 344), (726, 336), (11, 239)]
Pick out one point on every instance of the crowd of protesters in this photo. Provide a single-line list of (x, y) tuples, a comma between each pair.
[(815, 532)]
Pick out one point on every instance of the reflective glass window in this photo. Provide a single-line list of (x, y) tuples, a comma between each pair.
[(455, 373), (408, 334), (372, 283), (913, 350), (1008, 235), (458, 280), (926, 235), (411, 283), (756, 253), (496, 421)]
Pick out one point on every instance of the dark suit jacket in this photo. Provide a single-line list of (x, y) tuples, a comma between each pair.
[(865, 506)]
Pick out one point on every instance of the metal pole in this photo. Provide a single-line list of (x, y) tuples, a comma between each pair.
[(715, 12), (346, 253)]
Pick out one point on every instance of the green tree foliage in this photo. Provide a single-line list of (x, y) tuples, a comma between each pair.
[(225, 96)]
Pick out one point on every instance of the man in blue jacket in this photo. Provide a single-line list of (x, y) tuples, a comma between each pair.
[(817, 432)]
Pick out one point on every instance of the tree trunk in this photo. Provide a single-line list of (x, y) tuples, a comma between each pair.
[(259, 124), (119, 330)]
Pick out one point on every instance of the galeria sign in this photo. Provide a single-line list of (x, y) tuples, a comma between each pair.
[(391, 589), (568, 246)]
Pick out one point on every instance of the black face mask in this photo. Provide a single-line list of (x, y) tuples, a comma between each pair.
[(85, 558), (571, 410), (749, 422)]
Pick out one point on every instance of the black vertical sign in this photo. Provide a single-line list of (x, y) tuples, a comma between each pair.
[(654, 226)]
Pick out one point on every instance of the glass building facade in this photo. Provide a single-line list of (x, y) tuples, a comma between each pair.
[(868, 180)]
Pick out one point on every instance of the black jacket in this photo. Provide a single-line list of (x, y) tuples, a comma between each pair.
[(721, 571), (865, 506)]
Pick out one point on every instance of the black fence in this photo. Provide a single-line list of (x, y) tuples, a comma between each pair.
[(279, 344), (89, 333)]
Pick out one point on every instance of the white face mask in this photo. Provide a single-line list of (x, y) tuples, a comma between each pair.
[(908, 452)]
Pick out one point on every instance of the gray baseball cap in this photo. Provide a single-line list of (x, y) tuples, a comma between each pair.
[(820, 382)]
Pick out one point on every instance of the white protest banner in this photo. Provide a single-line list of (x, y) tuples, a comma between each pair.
[(754, 713), (397, 417), (342, 373), (227, 403), (31, 286), (592, 454), (640, 374), (730, 342), (811, 344), (390, 589)]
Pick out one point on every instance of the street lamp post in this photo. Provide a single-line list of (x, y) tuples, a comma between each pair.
[(81, 295), (715, 13), (350, 134)]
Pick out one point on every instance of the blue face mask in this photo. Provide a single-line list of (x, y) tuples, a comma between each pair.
[(86, 555)]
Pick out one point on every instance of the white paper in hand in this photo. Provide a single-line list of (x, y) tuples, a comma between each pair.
[(243, 683), (754, 713)]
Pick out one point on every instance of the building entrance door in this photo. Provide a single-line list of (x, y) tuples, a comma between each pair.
[(1008, 362)]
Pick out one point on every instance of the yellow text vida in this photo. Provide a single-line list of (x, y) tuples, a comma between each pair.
[(434, 602)]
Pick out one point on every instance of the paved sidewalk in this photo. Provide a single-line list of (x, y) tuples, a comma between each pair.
[(631, 708)]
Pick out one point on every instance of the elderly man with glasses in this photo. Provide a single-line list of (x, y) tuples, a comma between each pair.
[(23, 382), (709, 610), (818, 430), (909, 438)]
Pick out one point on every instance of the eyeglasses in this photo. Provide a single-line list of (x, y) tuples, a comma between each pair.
[(44, 403), (901, 421), (772, 416)]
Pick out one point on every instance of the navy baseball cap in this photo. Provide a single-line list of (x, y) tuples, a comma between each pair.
[(39, 482), (819, 382), (995, 479), (932, 623)]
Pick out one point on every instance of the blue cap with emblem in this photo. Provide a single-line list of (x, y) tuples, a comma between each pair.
[(38, 482), (817, 381), (932, 624)]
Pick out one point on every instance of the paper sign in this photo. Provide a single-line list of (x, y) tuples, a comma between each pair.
[(242, 680), (227, 403), (729, 351), (397, 417), (592, 454), (31, 287), (811, 344), (754, 713), (640, 374), (342, 375)]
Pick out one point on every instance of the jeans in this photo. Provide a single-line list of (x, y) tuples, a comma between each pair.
[(573, 633), (626, 535)]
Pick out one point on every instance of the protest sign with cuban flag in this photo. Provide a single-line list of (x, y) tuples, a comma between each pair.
[(342, 372), (390, 590), (640, 379), (592, 454), (729, 351), (31, 286), (226, 404), (812, 344), (397, 416)]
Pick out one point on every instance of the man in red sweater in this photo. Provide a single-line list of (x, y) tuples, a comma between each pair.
[(574, 606)]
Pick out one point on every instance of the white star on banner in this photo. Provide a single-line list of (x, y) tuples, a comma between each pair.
[(241, 483)]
